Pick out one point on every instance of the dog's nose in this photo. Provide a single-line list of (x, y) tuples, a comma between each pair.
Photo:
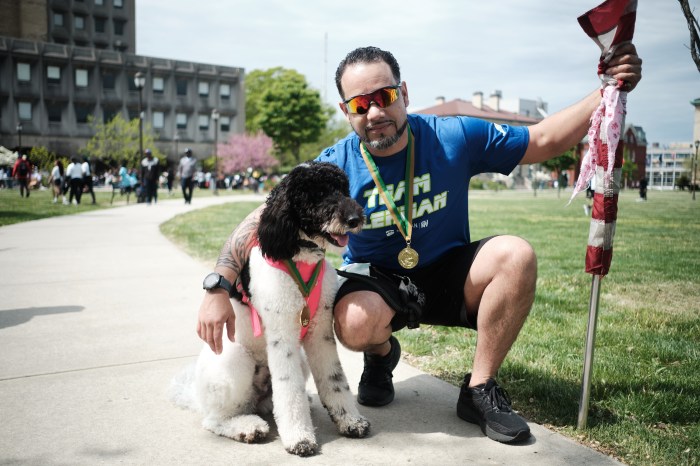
[(353, 221)]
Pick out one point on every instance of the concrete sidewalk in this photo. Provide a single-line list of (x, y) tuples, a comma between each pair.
[(97, 314)]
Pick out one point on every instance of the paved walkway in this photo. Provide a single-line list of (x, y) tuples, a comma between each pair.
[(97, 314)]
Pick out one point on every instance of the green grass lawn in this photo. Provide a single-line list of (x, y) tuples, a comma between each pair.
[(645, 400)]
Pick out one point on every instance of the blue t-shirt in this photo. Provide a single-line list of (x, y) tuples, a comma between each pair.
[(448, 152)]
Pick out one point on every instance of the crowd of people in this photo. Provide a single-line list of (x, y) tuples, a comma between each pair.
[(69, 183)]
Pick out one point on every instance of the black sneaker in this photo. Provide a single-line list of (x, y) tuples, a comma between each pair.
[(489, 406), (376, 388)]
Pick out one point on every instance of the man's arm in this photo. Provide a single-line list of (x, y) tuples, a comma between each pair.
[(216, 310), (560, 132)]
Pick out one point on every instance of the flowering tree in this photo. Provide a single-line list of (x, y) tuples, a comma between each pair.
[(243, 151)]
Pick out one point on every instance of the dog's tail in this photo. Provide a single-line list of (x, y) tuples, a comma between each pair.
[(181, 390)]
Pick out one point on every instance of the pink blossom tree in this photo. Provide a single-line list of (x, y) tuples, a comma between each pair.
[(243, 151)]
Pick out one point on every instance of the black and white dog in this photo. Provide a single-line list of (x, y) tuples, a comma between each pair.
[(309, 212)]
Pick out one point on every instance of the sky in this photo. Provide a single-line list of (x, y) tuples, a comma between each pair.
[(530, 49)]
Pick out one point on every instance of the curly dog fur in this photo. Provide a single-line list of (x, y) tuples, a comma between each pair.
[(308, 212)]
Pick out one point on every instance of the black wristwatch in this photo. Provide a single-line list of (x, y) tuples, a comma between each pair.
[(215, 280)]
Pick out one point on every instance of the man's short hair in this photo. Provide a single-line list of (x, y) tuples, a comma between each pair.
[(367, 55)]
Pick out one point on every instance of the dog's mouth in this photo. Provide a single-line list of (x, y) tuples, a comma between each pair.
[(338, 240)]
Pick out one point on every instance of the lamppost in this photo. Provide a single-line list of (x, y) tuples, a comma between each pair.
[(140, 82), (215, 119), (19, 137), (695, 167)]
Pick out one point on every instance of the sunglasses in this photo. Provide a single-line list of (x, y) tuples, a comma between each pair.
[(382, 97)]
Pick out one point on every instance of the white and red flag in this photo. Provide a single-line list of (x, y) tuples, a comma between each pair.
[(610, 24)]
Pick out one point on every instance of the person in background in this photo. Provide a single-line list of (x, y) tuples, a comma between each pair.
[(87, 177), (185, 171), (150, 173), (74, 173), (21, 171), (56, 180)]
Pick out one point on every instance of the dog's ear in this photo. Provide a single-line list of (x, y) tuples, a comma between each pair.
[(278, 231)]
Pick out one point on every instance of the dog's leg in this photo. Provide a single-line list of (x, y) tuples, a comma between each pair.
[(328, 374), (226, 394), (290, 402)]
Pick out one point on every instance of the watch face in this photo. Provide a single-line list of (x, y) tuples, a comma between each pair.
[(211, 280)]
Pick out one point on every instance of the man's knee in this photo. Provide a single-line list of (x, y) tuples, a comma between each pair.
[(362, 320)]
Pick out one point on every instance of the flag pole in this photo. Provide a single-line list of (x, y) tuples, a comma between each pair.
[(588, 356)]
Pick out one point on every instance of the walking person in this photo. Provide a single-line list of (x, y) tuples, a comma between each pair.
[(185, 171), (411, 173), (87, 178), (150, 174), (74, 173), (56, 180), (21, 171)]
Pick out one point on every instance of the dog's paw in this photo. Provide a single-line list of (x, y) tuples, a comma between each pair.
[(354, 427), (246, 428), (303, 448)]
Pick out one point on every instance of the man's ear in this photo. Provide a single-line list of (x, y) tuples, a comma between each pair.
[(343, 108), (404, 93)]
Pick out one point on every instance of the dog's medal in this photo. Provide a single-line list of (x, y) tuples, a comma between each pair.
[(304, 288), (408, 257), (305, 316)]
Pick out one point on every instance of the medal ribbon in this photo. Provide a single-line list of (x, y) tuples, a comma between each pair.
[(403, 220), (304, 287)]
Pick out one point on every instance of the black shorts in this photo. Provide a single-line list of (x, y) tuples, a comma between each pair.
[(442, 282)]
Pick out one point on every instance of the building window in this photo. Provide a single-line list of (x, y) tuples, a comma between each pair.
[(79, 22), (82, 112), (24, 72), (81, 78), (225, 91), (203, 89), (100, 24), (99, 2), (158, 85), (109, 113), (118, 3), (53, 74), (119, 27), (181, 120), (24, 109), (158, 120), (58, 19), (108, 81), (54, 112), (225, 123), (181, 85), (203, 122)]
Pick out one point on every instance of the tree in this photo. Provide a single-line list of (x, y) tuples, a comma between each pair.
[(559, 164), (694, 32), (280, 103), (243, 151), (335, 129), (118, 140), (629, 168)]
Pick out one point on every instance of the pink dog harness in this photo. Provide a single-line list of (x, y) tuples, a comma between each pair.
[(307, 277)]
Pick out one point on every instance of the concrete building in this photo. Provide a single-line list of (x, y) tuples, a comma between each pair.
[(62, 61)]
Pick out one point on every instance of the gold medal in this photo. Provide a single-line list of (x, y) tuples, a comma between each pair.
[(408, 257), (305, 316)]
